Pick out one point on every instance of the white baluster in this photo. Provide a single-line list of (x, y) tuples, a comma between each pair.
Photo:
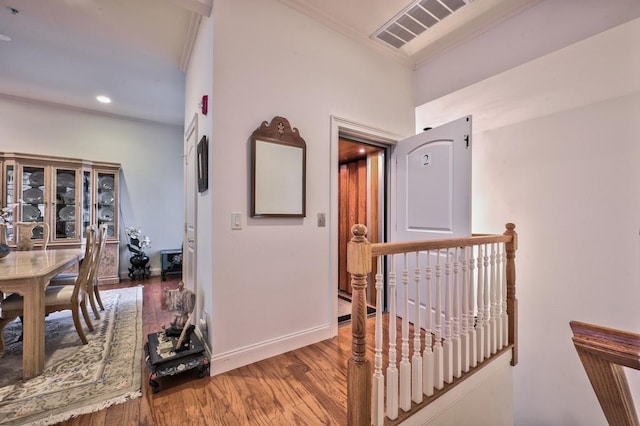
[(480, 306), (427, 355), (504, 315), (455, 302), (377, 392), (495, 285), (416, 361), (392, 369), (487, 305), (405, 365), (498, 284), (438, 377), (473, 288), (447, 347), (464, 314)]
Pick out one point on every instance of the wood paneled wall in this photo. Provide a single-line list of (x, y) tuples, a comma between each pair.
[(355, 199)]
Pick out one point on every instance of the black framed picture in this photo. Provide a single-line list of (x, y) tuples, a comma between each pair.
[(203, 164)]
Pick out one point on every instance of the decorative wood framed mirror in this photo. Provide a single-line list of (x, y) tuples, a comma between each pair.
[(278, 170)]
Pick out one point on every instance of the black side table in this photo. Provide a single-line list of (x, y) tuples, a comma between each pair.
[(171, 262), (194, 357)]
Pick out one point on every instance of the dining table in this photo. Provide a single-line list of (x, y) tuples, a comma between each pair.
[(28, 273)]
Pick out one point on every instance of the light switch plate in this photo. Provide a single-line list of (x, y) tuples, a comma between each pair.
[(236, 221), (322, 220)]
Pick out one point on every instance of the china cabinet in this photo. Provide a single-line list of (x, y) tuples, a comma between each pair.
[(68, 194)]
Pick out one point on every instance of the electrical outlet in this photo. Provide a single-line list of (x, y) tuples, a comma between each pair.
[(322, 220), (203, 322)]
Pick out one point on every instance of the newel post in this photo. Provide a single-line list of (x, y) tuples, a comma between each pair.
[(358, 367), (512, 301)]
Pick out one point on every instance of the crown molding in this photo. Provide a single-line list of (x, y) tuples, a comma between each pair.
[(201, 7), (320, 16), (189, 41)]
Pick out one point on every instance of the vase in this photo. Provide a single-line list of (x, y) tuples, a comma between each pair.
[(139, 269), (139, 260)]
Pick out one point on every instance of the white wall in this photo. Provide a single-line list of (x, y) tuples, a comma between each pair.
[(199, 82), (569, 180), (485, 399), (150, 154), (271, 280), (543, 28)]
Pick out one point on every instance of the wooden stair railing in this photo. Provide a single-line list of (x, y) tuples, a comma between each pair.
[(478, 283), (359, 367), (604, 352)]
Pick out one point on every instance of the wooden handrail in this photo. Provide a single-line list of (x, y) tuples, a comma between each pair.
[(604, 352), (382, 249)]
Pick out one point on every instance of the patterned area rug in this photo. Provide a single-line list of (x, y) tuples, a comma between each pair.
[(78, 378)]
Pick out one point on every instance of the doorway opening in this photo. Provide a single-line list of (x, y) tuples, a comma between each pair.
[(362, 189)]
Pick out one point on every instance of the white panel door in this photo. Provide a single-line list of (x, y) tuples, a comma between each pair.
[(433, 194), (190, 203)]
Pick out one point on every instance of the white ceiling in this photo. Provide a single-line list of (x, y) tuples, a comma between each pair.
[(562, 80), (68, 51), (361, 18)]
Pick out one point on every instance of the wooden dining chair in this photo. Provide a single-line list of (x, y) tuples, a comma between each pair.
[(24, 235), (96, 257), (3, 240), (604, 353), (56, 298), (3, 233)]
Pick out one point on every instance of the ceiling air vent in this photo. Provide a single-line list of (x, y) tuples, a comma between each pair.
[(416, 18)]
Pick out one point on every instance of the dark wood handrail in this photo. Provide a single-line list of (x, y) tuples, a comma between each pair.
[(604, 352), (620, 347)]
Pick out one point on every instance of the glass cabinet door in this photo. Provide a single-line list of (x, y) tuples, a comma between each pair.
[(33, 197), (9, 199), (86, 201), (106, 201), (66, 202)]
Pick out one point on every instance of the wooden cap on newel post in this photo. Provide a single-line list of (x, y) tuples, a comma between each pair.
[(358, 367)]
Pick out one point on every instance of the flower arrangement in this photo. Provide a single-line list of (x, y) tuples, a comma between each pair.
[(138, 242), (6, 217)]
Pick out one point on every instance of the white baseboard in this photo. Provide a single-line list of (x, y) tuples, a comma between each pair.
[(227, 361)]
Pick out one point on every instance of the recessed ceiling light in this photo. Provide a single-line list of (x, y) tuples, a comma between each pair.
[(103, 99), (4, 37), (361, 150)]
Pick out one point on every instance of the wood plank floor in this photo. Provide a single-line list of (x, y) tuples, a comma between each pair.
[(307, 386), (302, 387)]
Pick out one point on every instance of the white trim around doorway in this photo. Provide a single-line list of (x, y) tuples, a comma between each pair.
[(361, 132)]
